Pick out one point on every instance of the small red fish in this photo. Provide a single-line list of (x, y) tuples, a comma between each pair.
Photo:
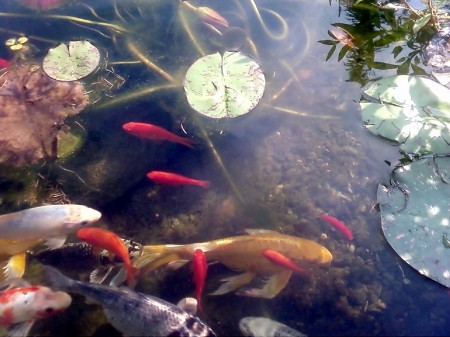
[(104, 239), (21, 306), (155, 133), (338, 225), (200, 268), (166, 178), (282, 260), (4, 63)]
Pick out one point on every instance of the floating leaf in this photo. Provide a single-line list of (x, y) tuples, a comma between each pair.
[(412, 110), (415, 218), (71, 62), (224, 86)]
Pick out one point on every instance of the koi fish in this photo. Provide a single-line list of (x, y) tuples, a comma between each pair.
[(132, 313), (339, 225), (281, 260), (22, 306), (167, 178), (200, 269), (242, 253), (266, 327), (4, 63), (104, 239), (21, 231), (155, 133)]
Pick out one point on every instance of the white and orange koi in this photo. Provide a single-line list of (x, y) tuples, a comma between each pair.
[(22, 306)]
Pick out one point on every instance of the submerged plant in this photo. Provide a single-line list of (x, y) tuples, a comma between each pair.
[(33, 109)]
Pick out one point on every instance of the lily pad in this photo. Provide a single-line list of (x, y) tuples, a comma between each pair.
[(411, 110), (71, 62), (228, 85), (415, 216)]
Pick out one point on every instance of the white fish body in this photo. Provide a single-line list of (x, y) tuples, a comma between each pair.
[(133, 313), (20, 307), (266, 327), (44, 222)]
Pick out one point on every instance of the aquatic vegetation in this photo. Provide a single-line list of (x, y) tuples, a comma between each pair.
[(71, 62), (227, 85), (411, 110), (29, 129), (414, 215)]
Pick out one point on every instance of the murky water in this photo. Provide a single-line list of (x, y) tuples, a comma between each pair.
[(301, 152)]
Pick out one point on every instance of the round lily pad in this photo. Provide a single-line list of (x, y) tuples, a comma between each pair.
[(411, 110), (415, 218), (71, 62), (228, 85)]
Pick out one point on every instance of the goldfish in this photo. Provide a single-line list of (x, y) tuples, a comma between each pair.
[(4, 63), (242, 253), (155, 133), (133, 313), (281, 260), (23, 230), (20, 307), (200, 269), (339, 225), (266, 327), (80, 257), (108, 240), (167, 178)]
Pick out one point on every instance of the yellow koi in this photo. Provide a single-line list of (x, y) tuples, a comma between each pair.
[(242, 253)]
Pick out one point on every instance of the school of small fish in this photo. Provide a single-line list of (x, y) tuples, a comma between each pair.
[(261, 255)]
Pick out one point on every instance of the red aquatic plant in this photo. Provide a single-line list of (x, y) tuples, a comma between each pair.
[(33, 108), (42, 5)]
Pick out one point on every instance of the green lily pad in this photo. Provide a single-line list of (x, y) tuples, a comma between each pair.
[(224, 86), (71, 62), (415, 216), (411, 110)]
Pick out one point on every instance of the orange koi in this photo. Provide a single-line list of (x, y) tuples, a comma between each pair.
[(104, 239), (339, 225), (155, 133), (200, 269), (282, 260), (167, 178)]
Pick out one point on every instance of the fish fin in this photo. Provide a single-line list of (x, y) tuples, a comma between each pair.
[(14, 267), (233, 283), (119, 278), (188, 304), (55, 242), (204, 183), (13, 283), (99, 275), (174, 265), (57, 279), (271, 288), (20, 329), (132, 274), (255, 231), (186, 141)]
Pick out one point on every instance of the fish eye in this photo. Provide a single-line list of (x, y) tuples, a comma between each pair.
[(49, 310), (84, 223)]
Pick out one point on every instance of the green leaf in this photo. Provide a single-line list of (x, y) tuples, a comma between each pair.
[(412, 110), (330, 52), (224, 86), (71, 62), (328, 42), (397, 50), (415, 218), (421, 22), (343, 51)]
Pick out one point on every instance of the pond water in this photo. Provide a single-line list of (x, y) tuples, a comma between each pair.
[(301, 152)]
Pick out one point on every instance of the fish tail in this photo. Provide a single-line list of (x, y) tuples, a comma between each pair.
[(153, 257), (132, 274), (186, 141), (204, 183), (57, 279)]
